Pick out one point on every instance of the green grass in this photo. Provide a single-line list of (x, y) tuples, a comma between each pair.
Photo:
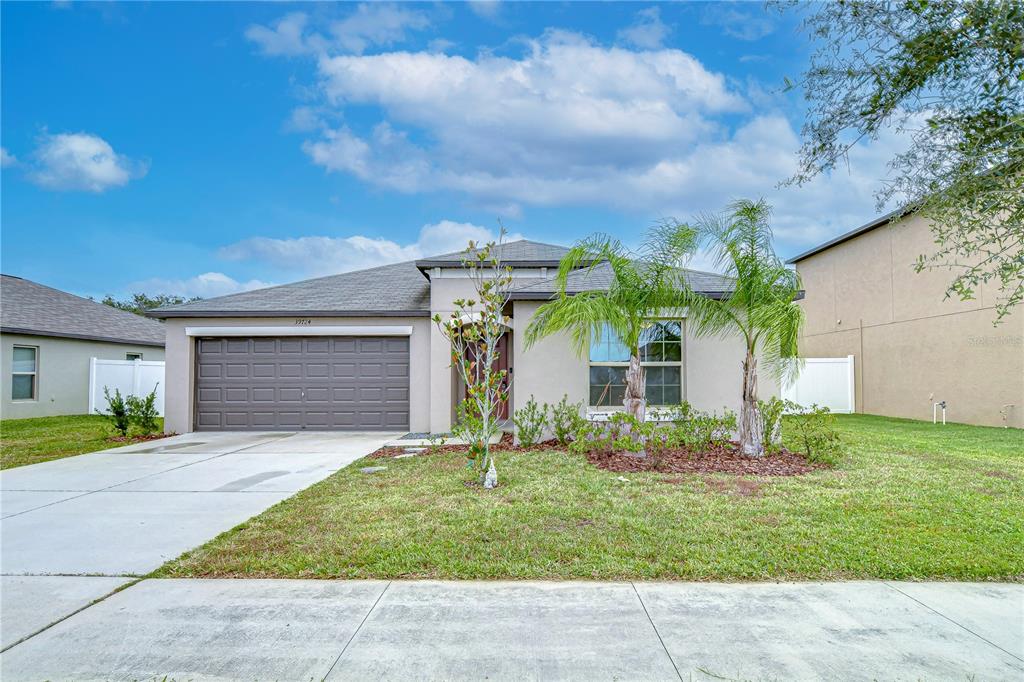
[(911, 500), (30, 441)]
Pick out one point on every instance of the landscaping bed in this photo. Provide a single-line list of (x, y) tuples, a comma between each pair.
[(909, 501), (716, 459)]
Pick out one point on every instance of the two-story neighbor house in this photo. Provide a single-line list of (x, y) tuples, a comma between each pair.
[(359, 351), (912, 345)]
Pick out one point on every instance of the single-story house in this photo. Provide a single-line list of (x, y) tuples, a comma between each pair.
[(912, 345), (359, 351), (48, 338)]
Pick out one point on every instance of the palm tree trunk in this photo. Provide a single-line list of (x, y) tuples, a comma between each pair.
[(635, 400), (751, 443)]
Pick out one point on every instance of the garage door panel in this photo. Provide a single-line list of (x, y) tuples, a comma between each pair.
[(302, 383), (237, 370), (263, 370)]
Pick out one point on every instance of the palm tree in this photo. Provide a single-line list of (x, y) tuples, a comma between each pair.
[(761, 306), (642, 285)]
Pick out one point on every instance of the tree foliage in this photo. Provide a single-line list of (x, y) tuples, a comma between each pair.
[(949, 74), (760, 307), (643, 284), (139, 303), (474, 329)]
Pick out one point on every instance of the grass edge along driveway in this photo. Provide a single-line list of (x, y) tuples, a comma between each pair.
[(911, 501), (41, 439)]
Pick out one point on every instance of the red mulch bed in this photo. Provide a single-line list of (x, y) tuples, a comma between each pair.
[(141, 438), (722, 459)]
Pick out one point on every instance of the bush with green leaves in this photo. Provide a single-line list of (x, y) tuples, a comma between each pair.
[(530, 421), (566, 419), (117, 411), (142, 412), (813, 433), (771, 411), (696, 430), (466, 427)]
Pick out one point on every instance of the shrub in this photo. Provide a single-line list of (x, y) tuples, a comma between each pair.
[(530, 421), (697, 431), (590, 437), (117, 411), (815, 434), (770, 412), (566, 419), (142, 412), (468, 425)]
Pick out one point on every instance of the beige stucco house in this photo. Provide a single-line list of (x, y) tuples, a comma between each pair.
[(358, 351), (47, 338), (912, 345)]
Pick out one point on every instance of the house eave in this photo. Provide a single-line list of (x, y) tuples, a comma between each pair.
[(80, 337), (166, 314)]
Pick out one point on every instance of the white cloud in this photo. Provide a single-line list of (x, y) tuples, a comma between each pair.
[(319, 255), (368, 25), (206, 285), (648, 31), (80, 161), (573, 122), (377, 24), (286, 37), (738, 23), (488, 9), (6, 158)]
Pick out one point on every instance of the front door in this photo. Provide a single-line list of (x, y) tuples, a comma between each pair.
[(501, 363)]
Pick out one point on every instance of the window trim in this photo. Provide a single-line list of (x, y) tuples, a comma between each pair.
[(34, 374), (680, 363), (138, 356)]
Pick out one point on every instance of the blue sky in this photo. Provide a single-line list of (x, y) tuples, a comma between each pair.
[(202, 149)]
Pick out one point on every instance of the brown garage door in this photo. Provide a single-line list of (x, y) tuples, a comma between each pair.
[(329, 383)]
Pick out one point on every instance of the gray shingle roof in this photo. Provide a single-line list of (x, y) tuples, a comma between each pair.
[(601, 276), (523, 253), (398, 289), (30, 308)]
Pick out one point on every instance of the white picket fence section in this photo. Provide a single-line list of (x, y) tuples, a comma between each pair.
[(131, 377), (827, 382)]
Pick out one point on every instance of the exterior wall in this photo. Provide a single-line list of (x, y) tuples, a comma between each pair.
[(550, 369), (911, 345), (179, 393), (712, 369), (62, 379)]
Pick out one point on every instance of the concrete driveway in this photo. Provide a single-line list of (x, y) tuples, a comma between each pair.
[(120, 513)]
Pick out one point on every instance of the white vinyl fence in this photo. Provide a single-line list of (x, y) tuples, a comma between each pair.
[(131, 377), (827, 382)]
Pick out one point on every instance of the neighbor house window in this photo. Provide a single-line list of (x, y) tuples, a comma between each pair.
[(23, 373), (133, 356), (661, 355)]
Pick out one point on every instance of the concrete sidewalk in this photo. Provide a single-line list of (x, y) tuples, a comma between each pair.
[(361, 630)]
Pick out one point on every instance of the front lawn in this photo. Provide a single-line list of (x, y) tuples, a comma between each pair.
[(30, 441), (911, 500)]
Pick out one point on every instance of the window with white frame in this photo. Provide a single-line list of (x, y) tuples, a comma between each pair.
[(24, 372), (661, 355), (133, 356)]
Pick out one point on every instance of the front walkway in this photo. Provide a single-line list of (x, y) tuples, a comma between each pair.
[(122, 513), (364, 630)]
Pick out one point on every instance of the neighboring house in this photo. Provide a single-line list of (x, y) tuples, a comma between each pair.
[(359, 351), (911, 344), (48, 337)]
